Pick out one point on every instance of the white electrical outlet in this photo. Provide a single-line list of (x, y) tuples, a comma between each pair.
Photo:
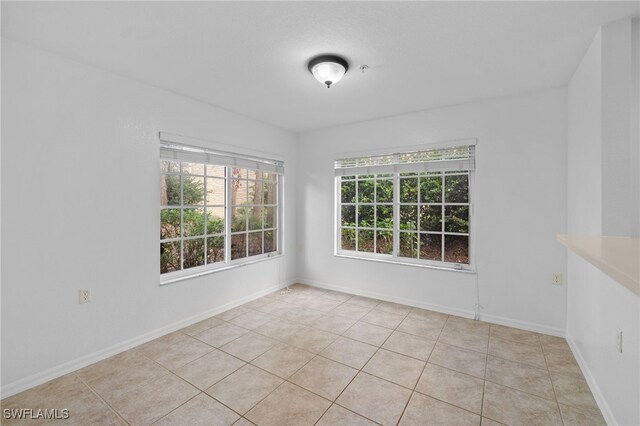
[(619, 341), (84, 296), (556, 279)]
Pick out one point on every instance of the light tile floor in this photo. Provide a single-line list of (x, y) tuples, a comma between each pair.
[(320, 357)]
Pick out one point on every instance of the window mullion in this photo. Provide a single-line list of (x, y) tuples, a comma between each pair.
[(246, 218), (227, 214), (279, 212), (181, 218), (356, 215), (375, 214), (206, 217), (418, 218), (338, 214), (442, 210), (396, 215)]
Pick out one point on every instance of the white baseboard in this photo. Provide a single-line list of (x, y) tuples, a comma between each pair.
[(591, 381), (529, 326), (387, 298), (83, 361), (524, 325)]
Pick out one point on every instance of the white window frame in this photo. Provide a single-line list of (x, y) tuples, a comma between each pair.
[(243, 160), (393, 257)]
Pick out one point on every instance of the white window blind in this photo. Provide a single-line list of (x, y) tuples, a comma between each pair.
[(172, 149), (453, 158)]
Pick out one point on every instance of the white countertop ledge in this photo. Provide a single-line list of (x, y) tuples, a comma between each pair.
[(618, 257)]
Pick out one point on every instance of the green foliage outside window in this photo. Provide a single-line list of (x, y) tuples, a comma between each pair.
[(424, 215), (194, 221)]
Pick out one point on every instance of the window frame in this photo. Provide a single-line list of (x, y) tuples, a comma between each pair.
[(393, 258), (208, 268)]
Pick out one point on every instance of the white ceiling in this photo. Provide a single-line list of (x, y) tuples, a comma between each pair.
[(250, 57)]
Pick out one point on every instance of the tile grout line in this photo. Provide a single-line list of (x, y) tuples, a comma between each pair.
[(378, 348), (413, 391), (191, 384), (365, 364), (355, 375), (184, 403), (358, 370), (170, 372), (553, 387), (246, 363), (144, 384), (269, 372), (95, 392), (486, 380), (287, 379), (371, 357), (484, 384)]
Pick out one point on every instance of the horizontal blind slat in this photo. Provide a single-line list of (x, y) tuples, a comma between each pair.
[(191, 154), (444, 159)]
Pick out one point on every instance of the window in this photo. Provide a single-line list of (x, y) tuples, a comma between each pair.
[(411, 207), (217, 209)]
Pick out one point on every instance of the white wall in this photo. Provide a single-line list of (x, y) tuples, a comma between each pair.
[(634, 156), (80, 210), (584, 178), (520, 206), (617, 202), (597, 306)]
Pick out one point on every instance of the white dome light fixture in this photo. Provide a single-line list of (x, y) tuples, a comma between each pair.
[(328, 69)]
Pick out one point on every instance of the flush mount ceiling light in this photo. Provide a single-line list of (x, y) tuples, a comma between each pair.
[(328, 69)]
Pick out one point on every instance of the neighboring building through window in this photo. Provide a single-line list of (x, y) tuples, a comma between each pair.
[(407, 207), (217, 209)]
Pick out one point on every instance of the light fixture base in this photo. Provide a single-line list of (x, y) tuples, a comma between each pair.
[(328, 58)]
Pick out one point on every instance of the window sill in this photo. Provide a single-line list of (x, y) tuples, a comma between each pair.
[(200, 273), (399, 262)]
